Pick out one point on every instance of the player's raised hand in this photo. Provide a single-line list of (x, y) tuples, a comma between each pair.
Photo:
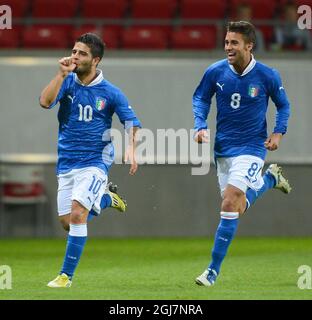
[(273, 141), (201, 136), (66, 66)]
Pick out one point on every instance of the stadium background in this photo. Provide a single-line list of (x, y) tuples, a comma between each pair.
[(156, 53)]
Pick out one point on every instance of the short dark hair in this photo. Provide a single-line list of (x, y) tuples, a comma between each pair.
[(94, 42), (245, 28)]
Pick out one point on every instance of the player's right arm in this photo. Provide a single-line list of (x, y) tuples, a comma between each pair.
[(201, 136), (201, 106), (51, 91)]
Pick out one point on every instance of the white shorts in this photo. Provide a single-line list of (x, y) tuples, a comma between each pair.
[(85, 185), (242, 172)]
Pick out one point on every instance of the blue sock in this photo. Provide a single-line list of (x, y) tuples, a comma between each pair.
[(106, 201), (91, 215), (223, 238), (76, 241), (252, 195)]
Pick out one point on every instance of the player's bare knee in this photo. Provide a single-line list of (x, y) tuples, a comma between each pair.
[(78, 213), (232, 199), (76, 217), (229, 204), (64, 220)]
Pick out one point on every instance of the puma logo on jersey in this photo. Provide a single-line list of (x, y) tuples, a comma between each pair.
[(280, 88), (220, 85), (71, 98)]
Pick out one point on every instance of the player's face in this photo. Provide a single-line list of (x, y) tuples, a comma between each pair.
[(237, 49), (82, 58)]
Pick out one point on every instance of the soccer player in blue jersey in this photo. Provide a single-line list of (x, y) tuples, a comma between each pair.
[(85, 151), (242, 87)]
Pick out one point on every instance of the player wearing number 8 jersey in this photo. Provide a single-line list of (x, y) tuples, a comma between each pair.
[(242, 87), (85, 150)]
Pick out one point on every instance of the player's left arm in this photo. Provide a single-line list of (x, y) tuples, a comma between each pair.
[(131, 124), (130, 152), (279, 97), (273, 141)]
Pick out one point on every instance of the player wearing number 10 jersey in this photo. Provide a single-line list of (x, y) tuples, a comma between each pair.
[(242, 87), (85, 151)]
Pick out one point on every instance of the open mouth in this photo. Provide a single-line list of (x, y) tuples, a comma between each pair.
[(231, 54)]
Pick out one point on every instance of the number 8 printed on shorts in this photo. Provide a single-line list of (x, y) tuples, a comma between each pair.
[(253, 171)]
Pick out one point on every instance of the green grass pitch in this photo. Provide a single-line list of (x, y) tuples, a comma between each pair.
[(141, 269)]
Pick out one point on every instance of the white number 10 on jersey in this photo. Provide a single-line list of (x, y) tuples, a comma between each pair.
[(85, 113), (235, 100)]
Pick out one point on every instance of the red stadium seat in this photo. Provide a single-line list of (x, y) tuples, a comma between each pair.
[(296, 2), (153, 9), (109, 35), (111, 38), (261, 9), (19, 8), (103, 8), (67, 28), (267, 32), (44, 37), (76, 33), (23, 184), (166, 28), (144, 38), (301, 2), (116, 27), (196, 37), (9, 38), (204, 9), (54, 8)]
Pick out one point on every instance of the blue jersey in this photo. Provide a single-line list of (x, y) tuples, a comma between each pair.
[(85, 114), (242, 102)]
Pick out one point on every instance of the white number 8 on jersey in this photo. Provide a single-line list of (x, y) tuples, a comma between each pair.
[(235, 100)]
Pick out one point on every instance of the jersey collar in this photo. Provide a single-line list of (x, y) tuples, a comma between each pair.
[(250, 66), (96, 81)]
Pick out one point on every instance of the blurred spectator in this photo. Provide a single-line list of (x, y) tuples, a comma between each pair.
[(244, 13), (288, 36)]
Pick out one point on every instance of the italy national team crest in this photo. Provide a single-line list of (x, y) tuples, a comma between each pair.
[(100, 103), (253, 90)]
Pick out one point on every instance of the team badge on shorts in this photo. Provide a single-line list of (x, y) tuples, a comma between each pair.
[(100, 103), (253, 90)]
